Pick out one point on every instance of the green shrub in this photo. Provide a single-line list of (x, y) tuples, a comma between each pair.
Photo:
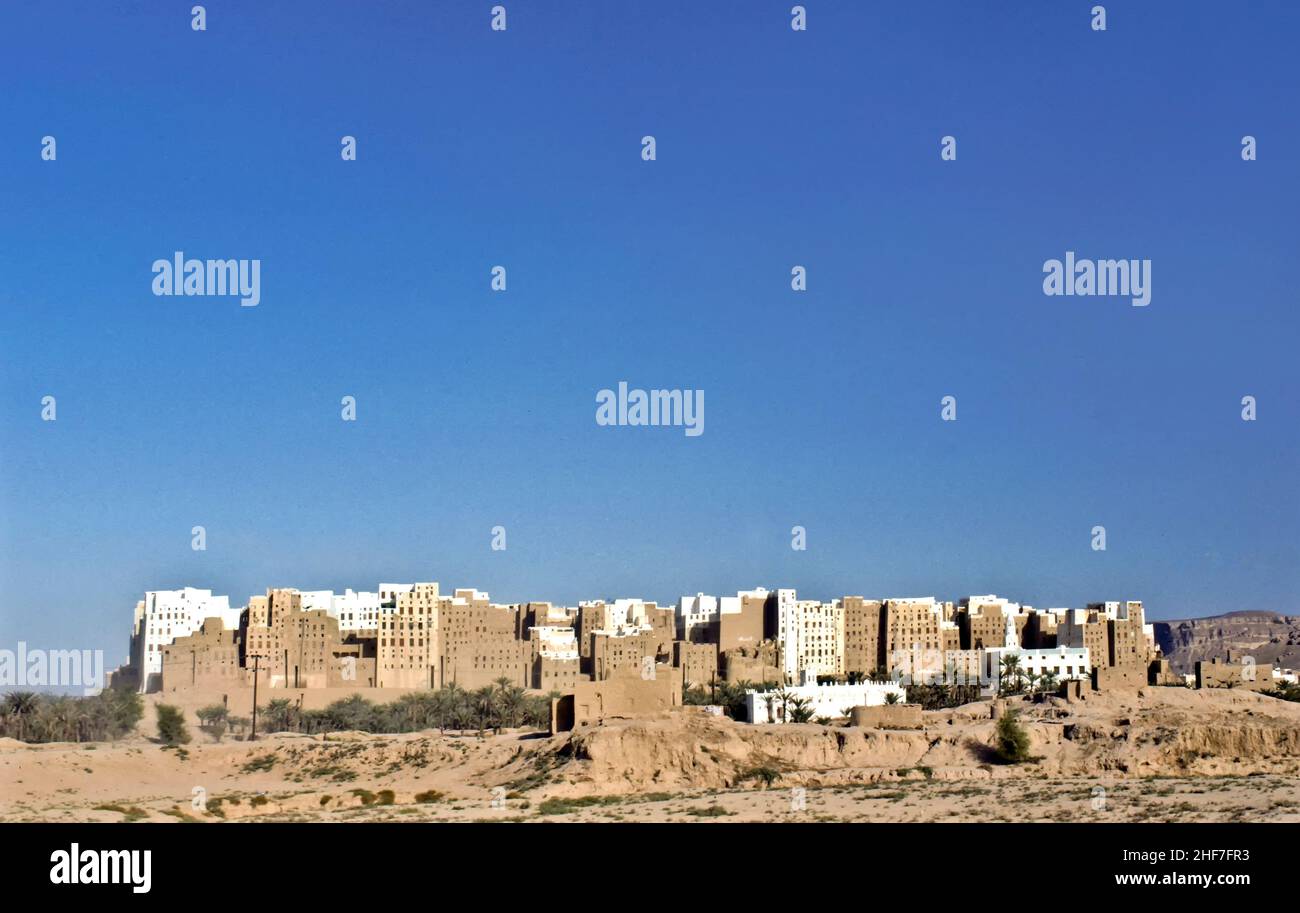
[(766, 774), (171, 725), (1012, 739), (713, 811)]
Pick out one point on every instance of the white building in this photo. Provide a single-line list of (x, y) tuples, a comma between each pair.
[(811, 636), (833, 700), (164, 615), (702, 611), (555, 642), (926, 667), (317, 599), (1063, 662), (698, 611), (357, 612), (390, 592), (622, 616)]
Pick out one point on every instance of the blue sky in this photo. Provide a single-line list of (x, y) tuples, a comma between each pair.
[(522, 148)]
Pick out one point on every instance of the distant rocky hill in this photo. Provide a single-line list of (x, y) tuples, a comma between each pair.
[(1267, 636)]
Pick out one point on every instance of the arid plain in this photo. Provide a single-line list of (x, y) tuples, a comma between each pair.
[(1160, 754)]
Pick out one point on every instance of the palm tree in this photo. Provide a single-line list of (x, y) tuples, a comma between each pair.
[(801, 710), (1010, 665), (408, 711), (96, 720), (940, 695), (1048, 681), (484, 707), (452, 700), (353, 712), (731, 695), (510, 701), (63, 719), (785, 698), (21, 705), (280, 715)]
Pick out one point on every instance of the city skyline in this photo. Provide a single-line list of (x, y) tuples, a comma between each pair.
[(415, 635)]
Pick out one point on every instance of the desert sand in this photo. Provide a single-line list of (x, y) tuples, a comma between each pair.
[(1159, 754)]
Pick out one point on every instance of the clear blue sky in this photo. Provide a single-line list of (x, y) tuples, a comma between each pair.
[(775, 148)]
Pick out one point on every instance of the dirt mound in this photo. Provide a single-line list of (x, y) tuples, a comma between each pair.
[(1153, 732)]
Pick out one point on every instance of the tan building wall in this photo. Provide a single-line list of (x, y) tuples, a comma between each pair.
[(208, 658), (1118, 678), (758, 664), (295, 647), (1217, 674), (623, 697), (985, 627), (698, 663), (543, 615), (349, 669), (1127, 643), (909, 624), (743, 628), (863, 645), (1161, 672), (613, 654), (1040, 632), (663, 621), (896, 716), (479, 643), (1091, 632), (591, 618), (951, 636), (408, 640), (550, 674)]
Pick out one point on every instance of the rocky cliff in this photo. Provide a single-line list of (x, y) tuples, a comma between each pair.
[(1267, 636)]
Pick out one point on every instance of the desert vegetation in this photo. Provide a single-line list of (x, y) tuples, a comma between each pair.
[(487, 709), (32, 717)]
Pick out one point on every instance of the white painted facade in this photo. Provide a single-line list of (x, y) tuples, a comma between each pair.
[(702, 610), (622, 617), (357, 612), (559, 642), (811, 635), (1064, 662), (389, 593), (696, 611), (832, 700), (164, 615)]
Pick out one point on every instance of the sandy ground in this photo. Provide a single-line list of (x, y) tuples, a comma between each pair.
[(1160, 755)]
